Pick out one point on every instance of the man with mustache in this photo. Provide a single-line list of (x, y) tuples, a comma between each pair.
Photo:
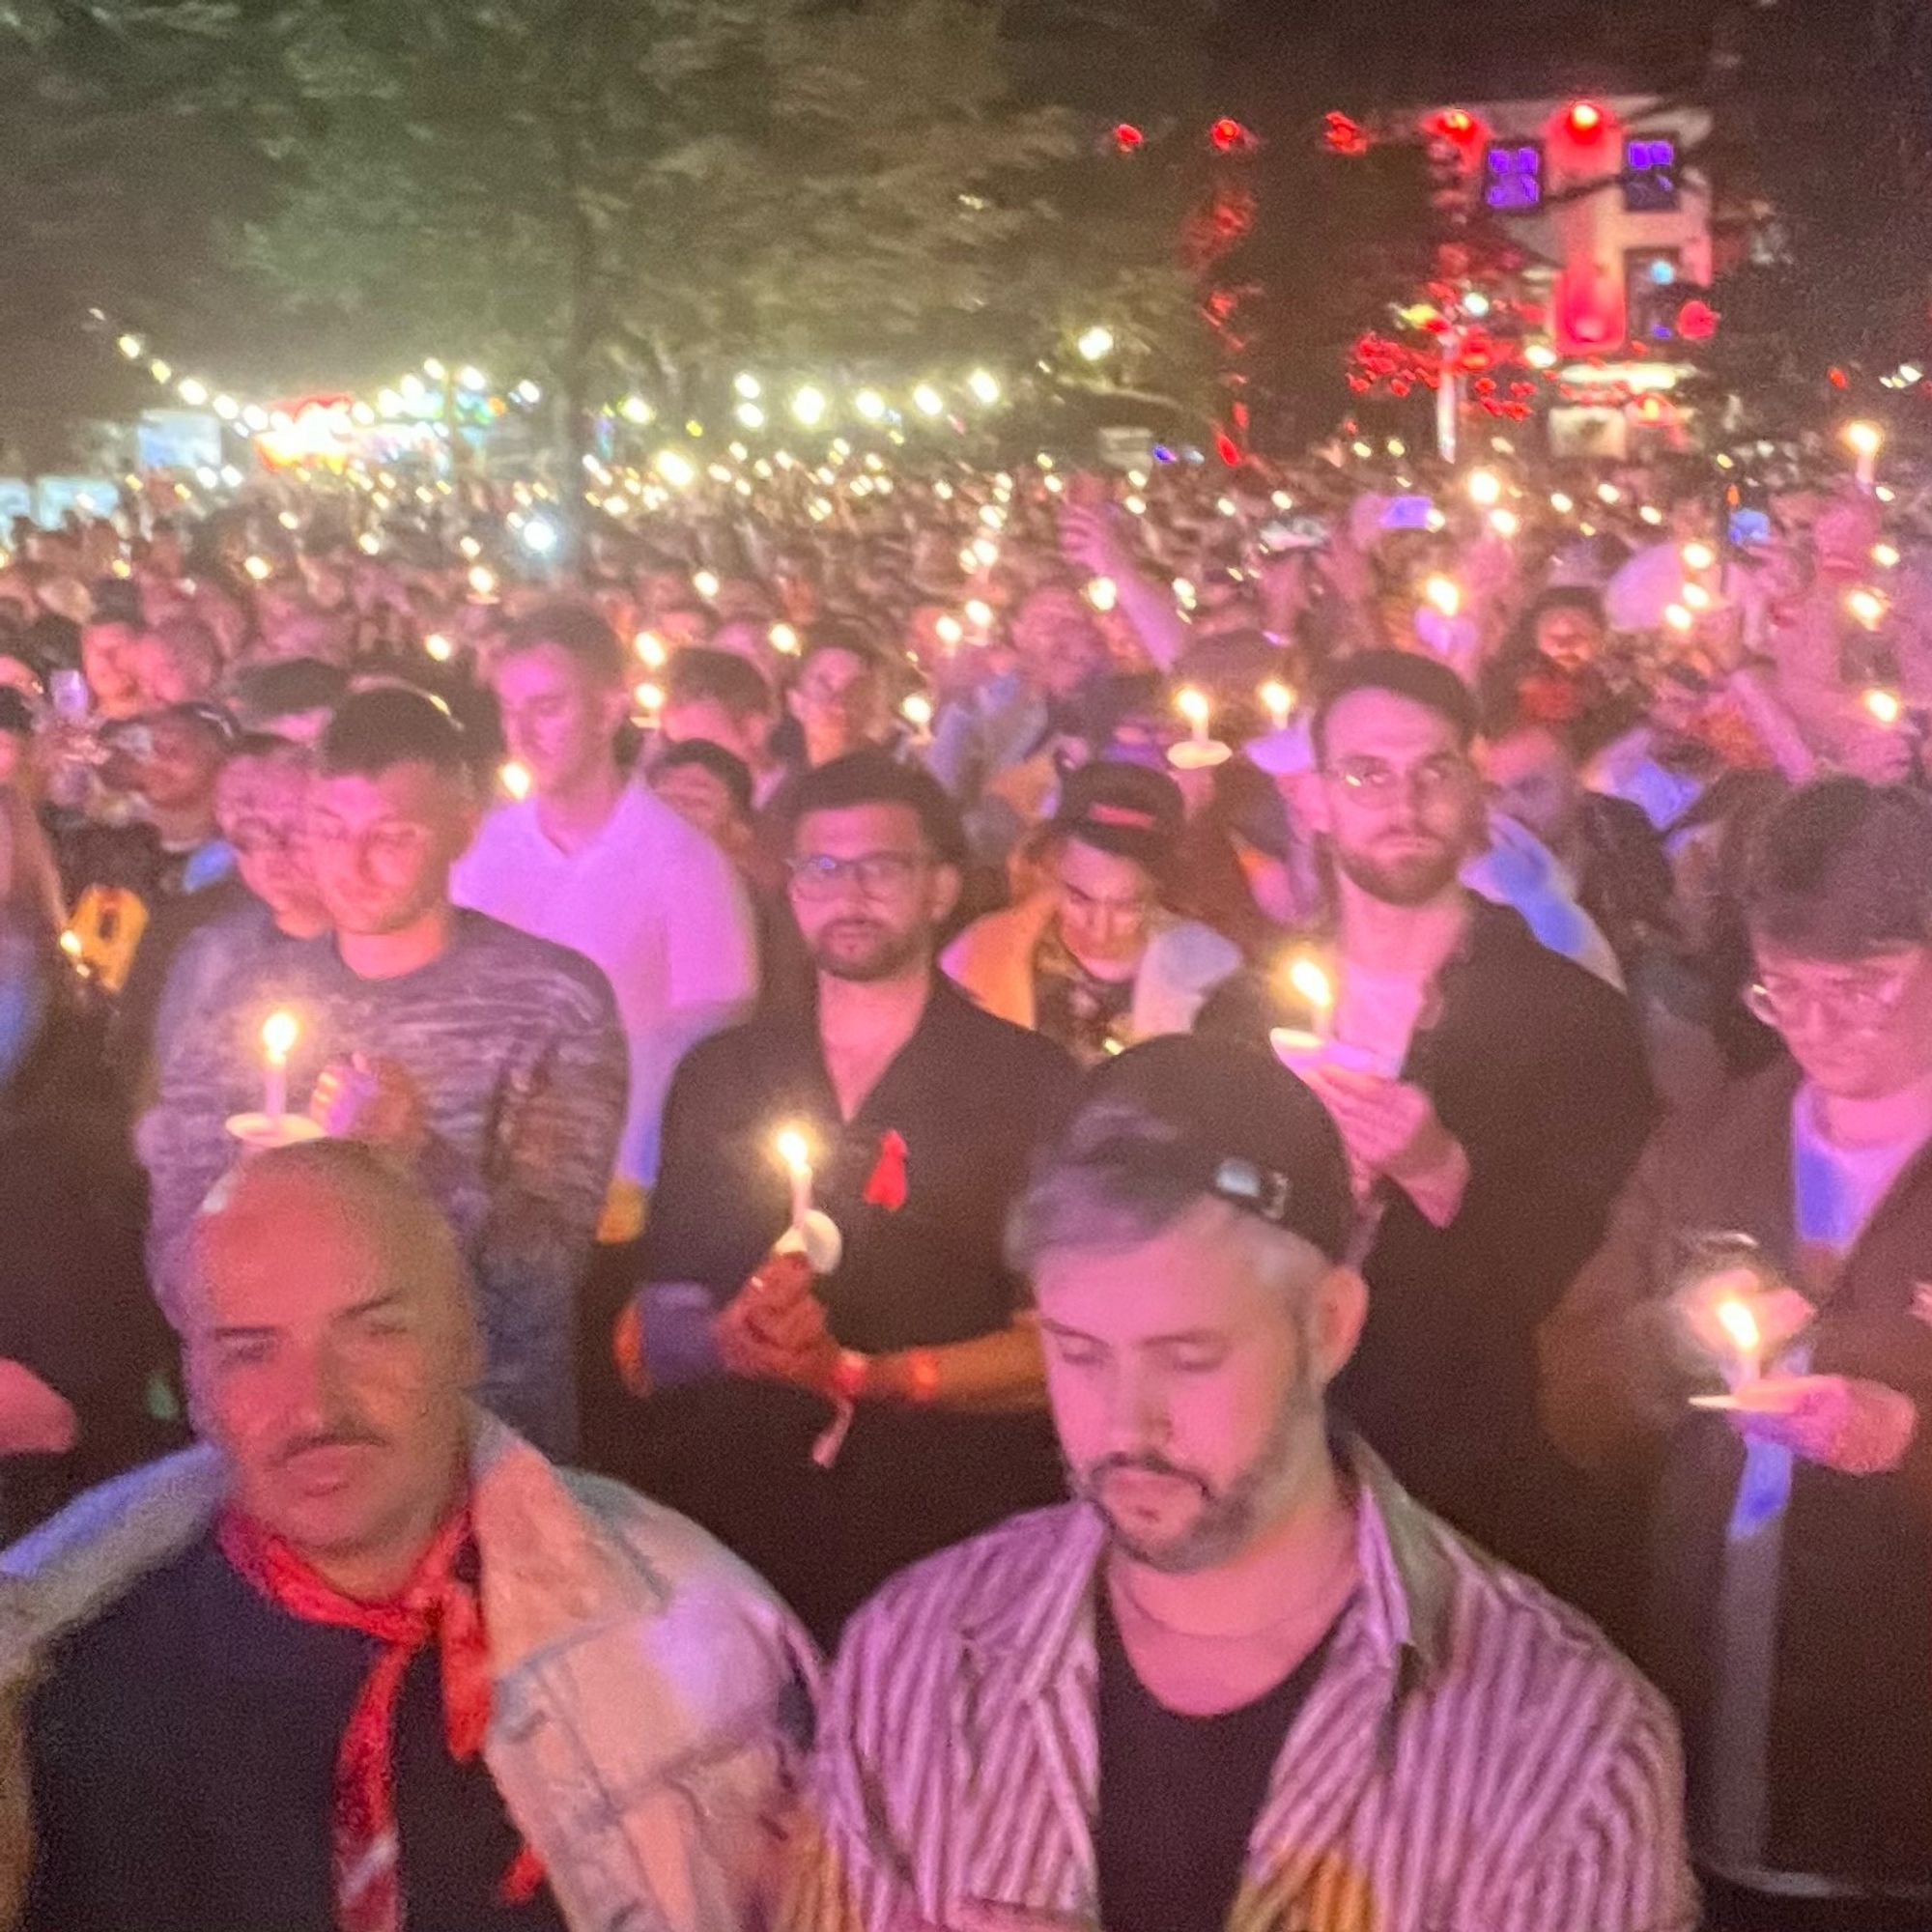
[(1492, 1098), (919, 1112), (1245, 1681), (365, 1659)]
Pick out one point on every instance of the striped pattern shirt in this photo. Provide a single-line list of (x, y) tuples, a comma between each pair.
[(1473, 1758)]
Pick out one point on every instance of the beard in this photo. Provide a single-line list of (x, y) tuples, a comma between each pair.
[(863, 950), (1228, 1519), (1412, 879)]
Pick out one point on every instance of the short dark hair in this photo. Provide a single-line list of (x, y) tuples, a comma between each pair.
[(392, 725), (294, 685), (1421, 680), (1842, 868), (698, 675), (873, 777), (841, 634), (726, 767), (270, 745), (574, 628)]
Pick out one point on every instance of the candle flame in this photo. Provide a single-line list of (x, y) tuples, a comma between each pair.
[(71, 944), (1279, 700), (794, 1149), (1444, 593), (279, 1032), (1193, 706), (1884, 705), (1865, 438), (1740, 1325), (516, 781), (1312, 983)]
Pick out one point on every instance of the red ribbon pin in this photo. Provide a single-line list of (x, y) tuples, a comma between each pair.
[(887, 1189)]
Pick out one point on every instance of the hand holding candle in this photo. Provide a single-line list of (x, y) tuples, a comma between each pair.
[(810, 1232)]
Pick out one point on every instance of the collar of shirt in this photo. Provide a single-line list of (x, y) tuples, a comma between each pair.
[(1037, 1667)]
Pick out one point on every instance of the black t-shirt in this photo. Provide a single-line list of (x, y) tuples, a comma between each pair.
[(967, 1097), (1180, 1795), (183, 1755)]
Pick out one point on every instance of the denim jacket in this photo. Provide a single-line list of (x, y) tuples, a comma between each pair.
[(652, 1700)]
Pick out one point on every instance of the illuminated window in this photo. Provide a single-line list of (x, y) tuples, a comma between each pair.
[(1650, 175), (1513, 176)]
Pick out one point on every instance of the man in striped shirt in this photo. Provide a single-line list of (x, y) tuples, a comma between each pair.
[(1244, 1682)]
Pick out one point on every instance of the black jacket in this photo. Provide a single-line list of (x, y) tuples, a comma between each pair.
[(1537, 1069)]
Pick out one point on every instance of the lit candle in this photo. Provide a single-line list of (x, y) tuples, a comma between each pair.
[(650, 706), (1867, 607), (1884, 705), (1444, 593), (278, 1038), (794, 1151), (515, 780), (917, 711), (1698, 556), (1193, 706), (1866, 440), (1280, 701), (650, 650), (1315, 986), (1741, 1330)]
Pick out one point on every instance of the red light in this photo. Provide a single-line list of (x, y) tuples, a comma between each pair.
[(1586, 119), (1228, 134), (1458, 124), (1346, 136), (1128, 138), (1227, 450)]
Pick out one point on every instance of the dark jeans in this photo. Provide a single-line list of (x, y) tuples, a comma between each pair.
[(1727, 1909)]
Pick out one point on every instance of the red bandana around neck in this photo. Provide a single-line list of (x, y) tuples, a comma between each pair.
[(435, 1605)]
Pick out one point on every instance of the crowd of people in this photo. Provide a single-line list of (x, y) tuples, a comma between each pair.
[(1226, 1130)]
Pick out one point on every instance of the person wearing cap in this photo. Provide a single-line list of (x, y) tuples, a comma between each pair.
[(487, 1060), (1096, 962), (919, 1112), (1243, 1679), (1492, 1098)]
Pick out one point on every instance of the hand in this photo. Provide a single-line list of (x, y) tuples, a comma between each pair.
[(774, 1328), (1088, 538), (1388, 1126), (373, 1100), (1857, 1428)]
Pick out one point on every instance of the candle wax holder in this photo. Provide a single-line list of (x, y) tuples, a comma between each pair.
[(1195, 754), (261, 1132), (817, 1239)]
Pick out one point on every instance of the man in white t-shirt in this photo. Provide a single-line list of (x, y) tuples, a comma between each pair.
[(1795, 1531), (594, 862)]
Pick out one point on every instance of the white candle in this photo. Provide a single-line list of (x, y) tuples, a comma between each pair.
[(1866, 440), (279, 1032), (1280, 701), (795, 1151), (1193, 706)]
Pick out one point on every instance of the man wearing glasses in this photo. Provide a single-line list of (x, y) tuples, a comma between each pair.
[(1492, 1096), (834, 1428), (1794, 1530)]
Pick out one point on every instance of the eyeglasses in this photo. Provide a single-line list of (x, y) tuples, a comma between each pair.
[(878, 875), (1861, 1002), (1377, 784)]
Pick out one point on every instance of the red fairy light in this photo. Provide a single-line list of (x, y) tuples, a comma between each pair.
[(1228, 449), (1585, 120), (1128, 138), (1229, 136), (1838, 379), (1240, 412), (1346, 136)]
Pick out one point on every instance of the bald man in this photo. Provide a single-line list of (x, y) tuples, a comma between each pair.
[(364, 1658)]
